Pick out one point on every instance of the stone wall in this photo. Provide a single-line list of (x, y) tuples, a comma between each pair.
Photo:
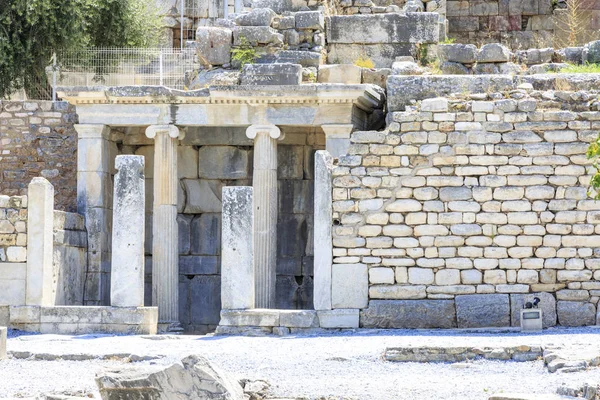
[(209, 159), (37, 139), (468, 205), (13, 250), (521, 24)]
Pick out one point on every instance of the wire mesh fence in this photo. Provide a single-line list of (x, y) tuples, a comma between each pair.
[(123, 67)]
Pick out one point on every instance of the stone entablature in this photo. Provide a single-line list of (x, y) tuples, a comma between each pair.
[(486, 195)]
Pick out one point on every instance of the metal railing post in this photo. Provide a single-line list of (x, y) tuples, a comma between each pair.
[(181, 24), (160, 68), (54, 68)]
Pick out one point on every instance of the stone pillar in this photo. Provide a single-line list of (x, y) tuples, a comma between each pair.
[(40, 243), (165, 254), (238, 6), (94, 192), (264, 182), (323, 245), (337, 138), (237, 266), (127, 266)]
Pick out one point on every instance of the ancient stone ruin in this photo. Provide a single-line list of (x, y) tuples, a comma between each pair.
[(328, 166)]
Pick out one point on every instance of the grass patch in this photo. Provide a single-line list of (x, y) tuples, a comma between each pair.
[(581, 69)]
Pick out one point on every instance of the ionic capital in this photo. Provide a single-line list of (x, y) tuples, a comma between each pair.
[(273, 131), (171, 130)]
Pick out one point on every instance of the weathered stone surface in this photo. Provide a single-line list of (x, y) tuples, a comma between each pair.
[(340, 318), (237, 267), (493, 53), (349, 286), (340, 73), (256, 17), (575, 313), (194, 377), (279, 6), (271, 74), (454, 68), (463, 353), (479, 311), (409, 314), (403, 89), (406, 68), (298, 319), (459, 53), (214, 44), (547, 304), (202, 196), (304, 58), (256, 35), (310, 20), (127, 266), (383, 28), (376, 76), (223, 162), (323, 246)]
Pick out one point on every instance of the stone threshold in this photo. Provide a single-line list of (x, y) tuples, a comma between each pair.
[(79, 320), (281, 322)]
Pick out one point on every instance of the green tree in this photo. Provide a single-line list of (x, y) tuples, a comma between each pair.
[(31, 30)]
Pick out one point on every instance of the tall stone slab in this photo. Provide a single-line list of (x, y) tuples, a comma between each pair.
[(237, 266), (127, 266), (40, 242), (165, 255), (323, 246), (264, 181), (94, 191)]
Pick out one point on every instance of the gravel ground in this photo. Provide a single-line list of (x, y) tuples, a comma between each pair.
[(348, 364)]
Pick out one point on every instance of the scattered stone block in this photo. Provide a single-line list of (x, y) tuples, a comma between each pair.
[(304, 58), (406, 68), (458, 53), (454, 68), (279, 6), (271, 74), (314, 20), (376, 76), (256, 35), (591, 52), (194, 377), (340, 73), (256, 17), (482, 310), (575, 313), (409, 314), (493, 53), (213, 44)]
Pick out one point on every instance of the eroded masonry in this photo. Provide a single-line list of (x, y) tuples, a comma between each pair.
[(355, 172)]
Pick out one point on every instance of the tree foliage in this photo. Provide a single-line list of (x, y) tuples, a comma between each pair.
[(31, 30)]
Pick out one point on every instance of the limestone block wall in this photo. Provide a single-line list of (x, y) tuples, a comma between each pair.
[(69, 258), (13, 249), (208, 160), (469, 204), (37, 139)]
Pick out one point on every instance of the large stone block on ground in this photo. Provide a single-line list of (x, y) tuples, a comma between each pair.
[(460, 53), (271, 74), (382, 55), (193, 378), (547, 304), (213, 44), (3, 334), (223, 162), (482, 310), (411, 314), (383, 28), (493, 53), (591, 52), (255, 35), (575, 313), (340, 318), (340, 73), (403, 89), (304, 58), (349, 286), (256, 17)]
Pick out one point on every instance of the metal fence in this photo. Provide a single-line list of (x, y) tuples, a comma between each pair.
[(172, 68)]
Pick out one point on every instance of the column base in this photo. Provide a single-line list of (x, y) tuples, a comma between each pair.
[(172, 328)]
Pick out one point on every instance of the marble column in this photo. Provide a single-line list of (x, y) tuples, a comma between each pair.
[(165, 255), (264, 182), (95, 154), (127, 266), (337, 138), (40, 239)]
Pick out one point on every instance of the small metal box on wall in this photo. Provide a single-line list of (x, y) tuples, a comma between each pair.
[(531, 319)]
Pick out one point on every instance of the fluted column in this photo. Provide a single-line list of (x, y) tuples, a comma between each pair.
[(264, 181), (165, 257)]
